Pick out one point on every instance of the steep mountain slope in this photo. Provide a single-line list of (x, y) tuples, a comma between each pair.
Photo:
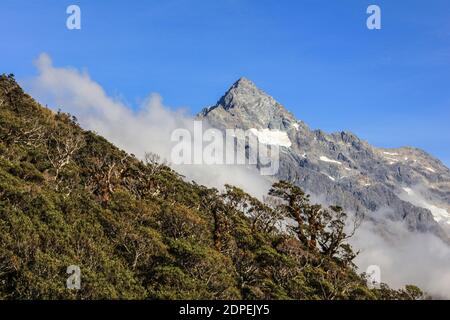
[(405, 183), (138, 230)]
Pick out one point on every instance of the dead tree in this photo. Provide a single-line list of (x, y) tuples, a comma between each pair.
[(104, 175), (61, 147)]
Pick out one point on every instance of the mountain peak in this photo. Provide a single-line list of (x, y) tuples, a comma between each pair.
[(242, 92), (244, 82), (246, 106)]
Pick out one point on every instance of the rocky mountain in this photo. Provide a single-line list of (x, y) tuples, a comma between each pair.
[(407, 184)]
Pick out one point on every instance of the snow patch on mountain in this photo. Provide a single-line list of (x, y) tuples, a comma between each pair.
[(440, 215), (391, 153), (273, 137), (392, 160), (329, 177), (325, 159)]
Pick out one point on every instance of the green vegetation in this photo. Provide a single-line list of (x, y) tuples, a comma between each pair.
[(139, 231)]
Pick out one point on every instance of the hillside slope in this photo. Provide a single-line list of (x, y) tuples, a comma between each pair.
[(137, 230)]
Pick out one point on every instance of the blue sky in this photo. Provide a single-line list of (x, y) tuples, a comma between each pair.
[(389, 86)]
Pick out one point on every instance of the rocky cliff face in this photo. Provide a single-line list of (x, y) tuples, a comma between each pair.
[(405, 183)]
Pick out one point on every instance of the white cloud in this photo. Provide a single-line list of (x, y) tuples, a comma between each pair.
[(147, 129), (414, 196), (405, 257)]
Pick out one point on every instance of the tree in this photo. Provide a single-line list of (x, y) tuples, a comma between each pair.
[(293, 207), (213, 204), (261, 215), (62, 144), (309, 218), (31, 133), (154, 163), (333, 238), (104, 174), (315, 226)]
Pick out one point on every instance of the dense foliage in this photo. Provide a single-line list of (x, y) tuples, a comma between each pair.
[(139, 231)]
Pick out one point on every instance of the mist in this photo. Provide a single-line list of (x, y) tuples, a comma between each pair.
[(404, 257), (146, 129)]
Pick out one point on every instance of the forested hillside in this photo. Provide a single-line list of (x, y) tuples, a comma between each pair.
[(138, 230)]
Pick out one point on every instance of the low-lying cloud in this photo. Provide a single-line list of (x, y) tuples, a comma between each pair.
[(148, 129), (404, 257)]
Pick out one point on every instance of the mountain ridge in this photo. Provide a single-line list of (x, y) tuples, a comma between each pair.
[(346, 169)]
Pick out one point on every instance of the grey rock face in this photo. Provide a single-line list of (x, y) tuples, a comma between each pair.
[(405, 183), (245, 106)]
